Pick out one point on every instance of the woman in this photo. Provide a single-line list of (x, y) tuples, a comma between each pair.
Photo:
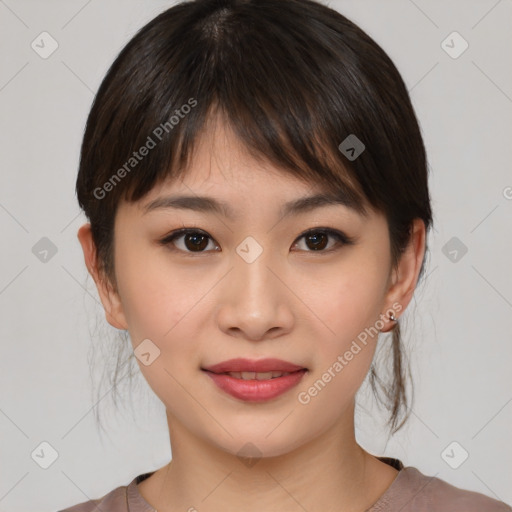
[(257, 190)]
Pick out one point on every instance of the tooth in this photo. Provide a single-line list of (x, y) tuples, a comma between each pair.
[(264, 376), (257, 375)]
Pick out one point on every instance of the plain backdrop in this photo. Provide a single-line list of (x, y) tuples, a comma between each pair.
[(457, 328)]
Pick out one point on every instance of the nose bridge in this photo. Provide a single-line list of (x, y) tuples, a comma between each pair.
[(252, 264), (253, 301)]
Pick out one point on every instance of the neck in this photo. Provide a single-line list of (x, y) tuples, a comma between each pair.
[(330, 470)]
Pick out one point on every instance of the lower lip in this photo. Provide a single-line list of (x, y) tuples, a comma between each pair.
[(256, 390)]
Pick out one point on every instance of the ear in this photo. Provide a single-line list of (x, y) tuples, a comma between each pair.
[(109, 297), (405, 277)]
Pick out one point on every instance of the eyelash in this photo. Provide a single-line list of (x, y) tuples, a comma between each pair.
[(340, 237)]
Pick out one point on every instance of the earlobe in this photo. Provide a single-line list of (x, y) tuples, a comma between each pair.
[(407, 273), (109, 298)]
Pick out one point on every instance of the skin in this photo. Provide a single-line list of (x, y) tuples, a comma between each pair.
[(291, 303)]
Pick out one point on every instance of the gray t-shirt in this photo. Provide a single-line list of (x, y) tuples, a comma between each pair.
[(411, 491)]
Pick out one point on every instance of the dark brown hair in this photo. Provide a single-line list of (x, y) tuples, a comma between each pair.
[(294, 79)]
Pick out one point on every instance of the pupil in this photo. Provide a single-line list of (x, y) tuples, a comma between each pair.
[(315, 240), (195, 245)]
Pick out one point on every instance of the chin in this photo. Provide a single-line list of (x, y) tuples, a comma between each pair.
[(263, 443)]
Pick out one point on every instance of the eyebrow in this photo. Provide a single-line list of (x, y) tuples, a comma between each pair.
[(210, 205)]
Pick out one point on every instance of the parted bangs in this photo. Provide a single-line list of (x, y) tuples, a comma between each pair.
[(291, 91)]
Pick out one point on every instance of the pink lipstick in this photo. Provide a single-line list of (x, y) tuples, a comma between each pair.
[(255, 380)]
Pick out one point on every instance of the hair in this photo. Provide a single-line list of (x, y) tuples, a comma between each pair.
[(293, 79)]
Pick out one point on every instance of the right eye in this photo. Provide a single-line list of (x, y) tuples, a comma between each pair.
[(193, 240)]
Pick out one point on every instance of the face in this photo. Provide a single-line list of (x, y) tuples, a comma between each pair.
[(255, 285)]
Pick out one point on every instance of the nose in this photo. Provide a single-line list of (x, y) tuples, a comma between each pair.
[(254, 301)]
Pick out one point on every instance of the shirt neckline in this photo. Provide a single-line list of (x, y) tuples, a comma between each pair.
[(136, 502)]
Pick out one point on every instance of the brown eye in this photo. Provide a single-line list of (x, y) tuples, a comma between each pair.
[(193, 240), (318, 239), (189, 240)]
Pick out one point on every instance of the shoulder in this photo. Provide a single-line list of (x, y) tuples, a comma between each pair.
[(114, 501), (414, 491)]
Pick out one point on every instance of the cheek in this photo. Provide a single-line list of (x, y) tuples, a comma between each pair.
[(154, 299), (351, 301), (344, 355), (161, 307), (348, 307), (166, 307)]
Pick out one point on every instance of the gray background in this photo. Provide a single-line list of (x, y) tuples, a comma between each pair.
[(458, 327)]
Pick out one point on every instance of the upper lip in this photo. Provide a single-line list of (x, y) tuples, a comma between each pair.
[(259, 366)]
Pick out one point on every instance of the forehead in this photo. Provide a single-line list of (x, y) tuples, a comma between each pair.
[(222, 175), (219, 155)]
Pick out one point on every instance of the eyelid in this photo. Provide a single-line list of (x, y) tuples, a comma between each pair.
[(342, 238), (336, 233), (177, 233)]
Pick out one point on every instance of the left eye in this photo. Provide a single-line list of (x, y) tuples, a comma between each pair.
[(316, 239)]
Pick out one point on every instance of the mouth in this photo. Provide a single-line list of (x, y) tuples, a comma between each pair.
[(254, 369), (256, 375), (256, 386), (255, 380)]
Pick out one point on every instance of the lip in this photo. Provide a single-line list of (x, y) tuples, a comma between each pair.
[(251, 365), (256, 390)]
